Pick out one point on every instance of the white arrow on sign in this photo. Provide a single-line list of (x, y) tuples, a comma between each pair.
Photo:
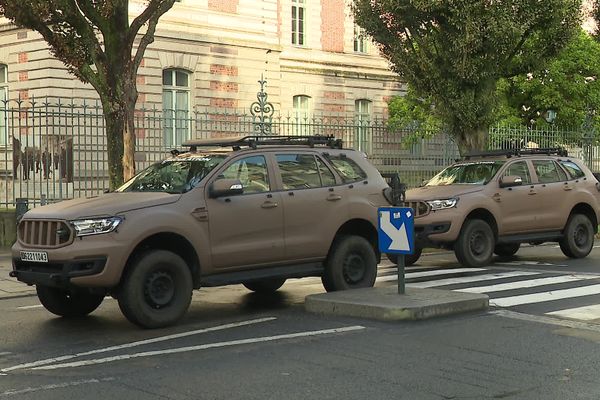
[(399, 236)]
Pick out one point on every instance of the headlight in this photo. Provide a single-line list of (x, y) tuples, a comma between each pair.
[(95, 226), (442, 204)]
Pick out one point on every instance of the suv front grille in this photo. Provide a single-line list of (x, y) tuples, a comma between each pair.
[(44, 233), (420, 207)]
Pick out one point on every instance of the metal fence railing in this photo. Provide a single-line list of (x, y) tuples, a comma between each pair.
[(53, 150)]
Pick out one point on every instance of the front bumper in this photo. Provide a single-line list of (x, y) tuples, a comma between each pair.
[(56, 273)]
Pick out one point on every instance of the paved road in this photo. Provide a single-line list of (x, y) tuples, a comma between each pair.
[(237, 345)]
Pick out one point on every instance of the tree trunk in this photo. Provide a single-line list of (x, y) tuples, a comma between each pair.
[(129, 142), (114, 116), (475, 140)]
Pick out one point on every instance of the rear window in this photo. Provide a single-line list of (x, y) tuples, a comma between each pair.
[(573, 169), (348, 169)]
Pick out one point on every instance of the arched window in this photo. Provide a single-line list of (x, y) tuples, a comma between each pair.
[(363, 137), (301, 105), (3, 104), (176, 106)]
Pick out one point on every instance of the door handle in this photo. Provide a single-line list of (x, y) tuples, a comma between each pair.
[(567, 187), (269, 204), (334, 197)]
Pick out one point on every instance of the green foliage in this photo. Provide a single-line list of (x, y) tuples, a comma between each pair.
[(454, 52)]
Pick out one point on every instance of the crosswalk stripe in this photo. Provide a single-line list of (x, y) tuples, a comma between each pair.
[(528, 283), (586, 313), (545, 296), (467, 279), (423, 274)]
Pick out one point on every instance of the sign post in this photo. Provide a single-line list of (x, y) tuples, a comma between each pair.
[(396, 236)]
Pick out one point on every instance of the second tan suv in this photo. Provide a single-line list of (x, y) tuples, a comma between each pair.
[(492, 202), (253, 210)]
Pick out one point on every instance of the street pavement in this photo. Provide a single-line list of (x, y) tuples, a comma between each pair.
[(10, 287)]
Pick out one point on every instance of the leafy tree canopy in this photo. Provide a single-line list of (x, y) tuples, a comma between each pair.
[(454, 52)]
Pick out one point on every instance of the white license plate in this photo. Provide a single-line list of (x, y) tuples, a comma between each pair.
[(34, 256)]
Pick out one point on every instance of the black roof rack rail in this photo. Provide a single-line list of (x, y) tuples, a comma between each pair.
[(557, 151), (255, 141)]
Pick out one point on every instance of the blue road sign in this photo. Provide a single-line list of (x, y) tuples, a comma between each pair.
[(396, 230)]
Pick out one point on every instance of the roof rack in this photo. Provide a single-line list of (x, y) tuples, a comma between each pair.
[(557, 151), (254, 141)]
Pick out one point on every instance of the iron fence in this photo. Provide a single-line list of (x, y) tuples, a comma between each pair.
[(53, 150)]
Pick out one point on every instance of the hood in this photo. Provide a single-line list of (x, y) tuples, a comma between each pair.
[(104, 205), (441, 192)]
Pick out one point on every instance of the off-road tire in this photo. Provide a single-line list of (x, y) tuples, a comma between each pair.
[(507, 249), (265, 285), (475, 244), (156, 290), (578, 239), (351, 264), (409, 259), (68, 303)]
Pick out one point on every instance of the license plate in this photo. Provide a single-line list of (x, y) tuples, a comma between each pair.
[(34, 256)]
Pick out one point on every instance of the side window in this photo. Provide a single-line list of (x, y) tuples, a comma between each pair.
[(300, 171), (347, 168), (573, 169), (252, 172), (548, 171), (327, 177), (519, 168)]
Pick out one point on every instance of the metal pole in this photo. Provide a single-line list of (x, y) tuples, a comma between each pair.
[(401, 267)]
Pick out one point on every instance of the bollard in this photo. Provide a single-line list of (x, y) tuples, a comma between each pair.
[(22, 206)]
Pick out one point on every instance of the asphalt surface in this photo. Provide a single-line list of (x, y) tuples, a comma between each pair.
[(236, 344)]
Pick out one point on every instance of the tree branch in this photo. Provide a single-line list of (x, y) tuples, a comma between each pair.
[(155, 9)]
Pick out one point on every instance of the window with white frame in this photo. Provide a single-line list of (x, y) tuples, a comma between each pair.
[(3, 104), (176, 106), (301, 110), (360, 40), (362, 112), (298, 22)]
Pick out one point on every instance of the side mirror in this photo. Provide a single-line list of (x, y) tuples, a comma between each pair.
[(225, 187), (510, 181)]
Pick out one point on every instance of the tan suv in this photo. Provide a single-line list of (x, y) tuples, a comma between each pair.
[(492, 202), (252, 210)]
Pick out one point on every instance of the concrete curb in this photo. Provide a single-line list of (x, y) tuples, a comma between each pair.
[(386, 304)]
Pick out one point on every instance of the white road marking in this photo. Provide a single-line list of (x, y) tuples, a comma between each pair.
[(467, 279), (5, 353), (586, 313), (530, 263), (423, 274), (527, 283), (546, 320), (138, 343), (201, 347), (30, 307), (15, 392), (545, 296)]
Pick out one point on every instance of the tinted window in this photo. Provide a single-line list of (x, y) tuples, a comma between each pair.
[(519, 169), (301, 171), (252, 172), (573, 169), (548, 171), (347, 168)]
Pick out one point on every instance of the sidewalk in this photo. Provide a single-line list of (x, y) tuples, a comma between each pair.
[(10, 287)]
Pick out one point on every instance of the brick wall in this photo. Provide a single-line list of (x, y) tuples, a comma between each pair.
[(217, 69), (332, 25), (227, 6)]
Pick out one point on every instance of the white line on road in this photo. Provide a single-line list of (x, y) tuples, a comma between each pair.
[(423, 274), (15, 392), (467, 279), (138, 343), (546, 320), (545, 296), (201, 347), (586, 313), (527, 283), (30, 307)]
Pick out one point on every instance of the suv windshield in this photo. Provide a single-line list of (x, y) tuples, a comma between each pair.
[(173, 175), (470, 173)]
